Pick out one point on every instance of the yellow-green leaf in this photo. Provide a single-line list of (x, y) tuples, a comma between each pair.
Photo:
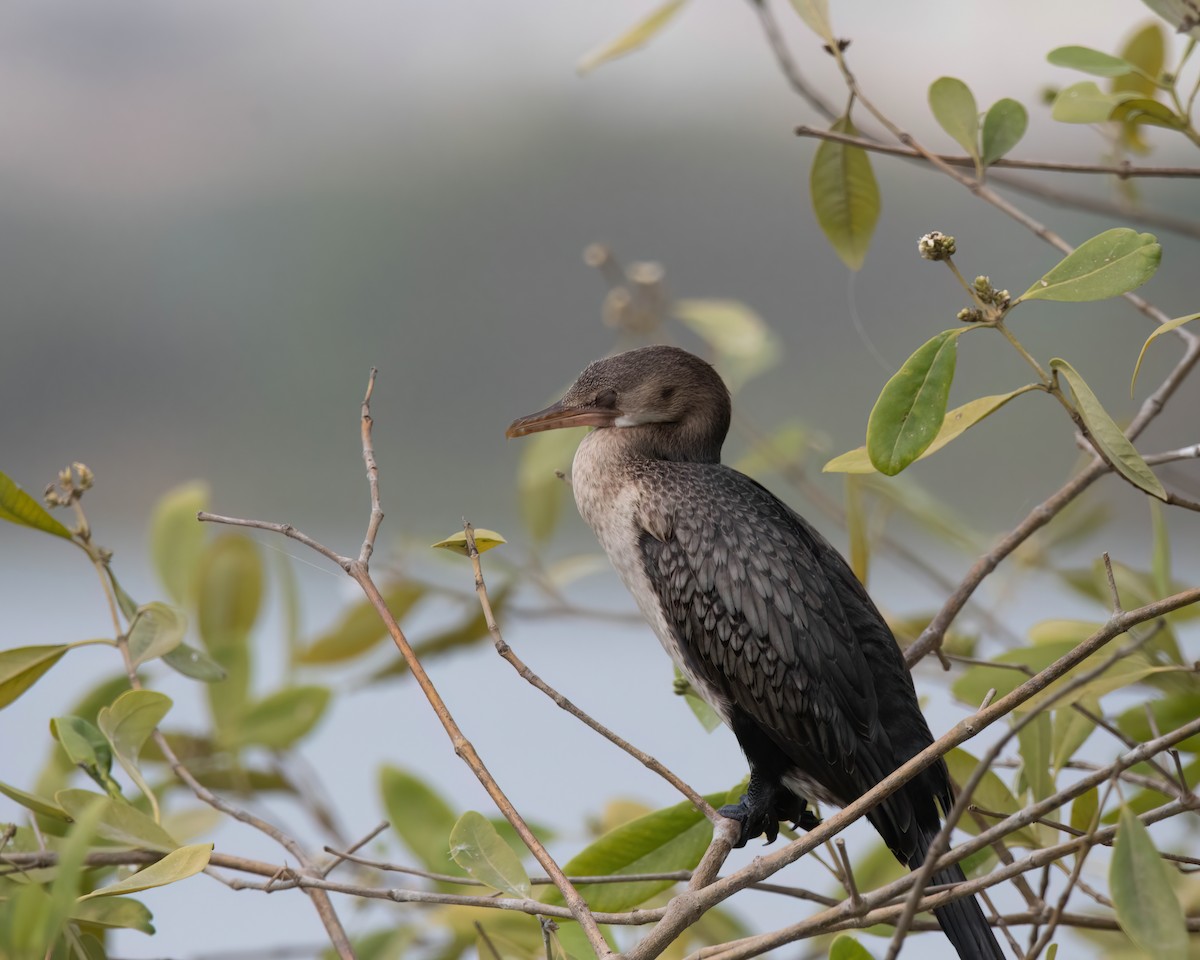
[(157, 629), (31, 801), (955, 423), (177, 865), (990, 794), (954, 108), (845, 196), (541, 490), (479, 849), (194, 663), (1145, 50), (128, 724), (1087, 60), (279, 720), (177, 538), (360, 627), (119, 821), (815, 14), (1159, 331), (635, 37), (21, 667), (845, 947), (421, 817), (1035, 744), (1109, 264), (114, 913), (744, 344), (484, 541), (912, 405), (1084, 102), (1084, 810), (1147, 908), (1109, 440), (16, 506)]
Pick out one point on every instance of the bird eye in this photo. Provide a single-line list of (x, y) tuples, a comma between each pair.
[(606, 399)]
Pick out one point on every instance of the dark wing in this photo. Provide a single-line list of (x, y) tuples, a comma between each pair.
[(757, 599)]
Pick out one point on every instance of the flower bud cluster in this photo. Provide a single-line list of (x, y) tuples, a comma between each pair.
[(936, 246)]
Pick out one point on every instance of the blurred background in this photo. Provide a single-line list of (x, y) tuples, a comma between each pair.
[(218, 216)]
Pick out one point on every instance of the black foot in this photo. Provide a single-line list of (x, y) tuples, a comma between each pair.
[(763, 806)]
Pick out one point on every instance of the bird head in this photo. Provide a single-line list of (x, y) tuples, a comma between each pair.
[(670, 404)]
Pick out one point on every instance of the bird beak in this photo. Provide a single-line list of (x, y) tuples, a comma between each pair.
[(557, 416)]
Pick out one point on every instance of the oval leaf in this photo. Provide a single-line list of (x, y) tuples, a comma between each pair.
[(421, 817), (360, 627), (21, 667), (991, 794), (1087, 60), (815, 14), (845, 196), (119, 822), (479, 849), (1147, 908), (177, 538), (31, 801), (954, 424), (278, 721), (116, 913), (16, 506), (671, 839), (1162, 328), (744, 344), (1003, 127), (541, 490), (128, 724), (1107, 265), (636, 36), (1110, 441), (912, 406), (1084, 103), (177, 865), (484, 541), (194, 663), (953, 107), (845, 947), (157, 629)]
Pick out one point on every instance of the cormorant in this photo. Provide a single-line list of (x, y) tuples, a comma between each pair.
[(761, 614)]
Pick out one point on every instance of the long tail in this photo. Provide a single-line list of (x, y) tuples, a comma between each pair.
[(962, 921)]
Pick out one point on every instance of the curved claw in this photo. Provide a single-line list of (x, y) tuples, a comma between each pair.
[(760, 810)]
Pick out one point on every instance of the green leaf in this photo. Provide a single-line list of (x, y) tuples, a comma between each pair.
[(674, 838), (127, 604), (541, 490), (991, 794), (457, 542), (1159, 331), (1107, 265), (87, 749), (16, 506), (421, 817), (194, 663), (912, 406), (1160, 554), (744, 344), (71, 856), (481, 852), (845, 947), (177, 865), (119, 822), (1107, 436), (229, 595), (1003, 127), (157, 629), (1084, 809), (1169, 713), (1071, 731), (1035, 746), (954, 108), (845, 196), (1147, 908), (1151, 112), (21, 667), (703, 712), (278, 721), (360, 628), (1087, 60), (634, 38), (113, 913), (815, 14), (128, 724), (177, 538), (955, 423), (31, 801), (1084, 103)]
